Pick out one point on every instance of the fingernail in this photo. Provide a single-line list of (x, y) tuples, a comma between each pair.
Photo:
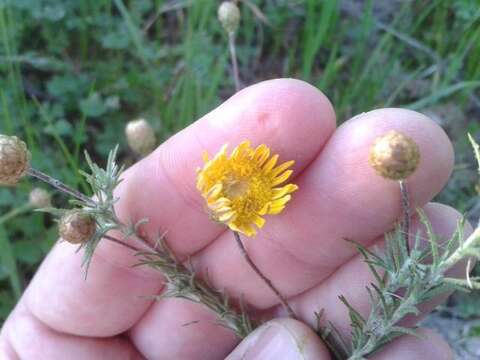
[(271, 342)]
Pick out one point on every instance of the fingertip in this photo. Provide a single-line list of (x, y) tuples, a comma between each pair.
[(277, 109), (450, 217), (349, 149), (436, 150), (281, 339)]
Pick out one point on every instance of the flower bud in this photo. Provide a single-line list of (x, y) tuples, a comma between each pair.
[(229, 16), (76, 227), (40, 198), (394, 156), (14, 159), (140, 136)]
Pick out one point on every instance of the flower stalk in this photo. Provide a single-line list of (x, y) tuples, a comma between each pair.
[(264, 278), (406, 212), (233, 56), (229, 16)]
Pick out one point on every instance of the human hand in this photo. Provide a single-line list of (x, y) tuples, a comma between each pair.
[(302, 250)]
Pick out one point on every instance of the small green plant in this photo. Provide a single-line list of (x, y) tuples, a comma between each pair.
[(404, 279)]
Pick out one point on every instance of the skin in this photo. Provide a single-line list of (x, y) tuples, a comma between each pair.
[(301, 250)]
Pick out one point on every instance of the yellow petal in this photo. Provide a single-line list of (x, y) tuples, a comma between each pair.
[(248, 230), (282, 178), (214, 191), (281, 168), (262, 152), (282, 201), (227, 216), (276, 210), (264, 209), (284, 190), (259, 221), (270, 164)]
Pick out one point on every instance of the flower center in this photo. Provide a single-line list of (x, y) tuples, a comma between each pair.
[(236, 188)]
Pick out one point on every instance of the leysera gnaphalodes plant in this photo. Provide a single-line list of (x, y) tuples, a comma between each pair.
[(404, 278), (90, 221), (241, 188)]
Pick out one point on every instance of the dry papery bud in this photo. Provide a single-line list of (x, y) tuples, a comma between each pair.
[(14, 159), (229, 16), (140, 136), (40, 198), (394, 156), (76, 227)]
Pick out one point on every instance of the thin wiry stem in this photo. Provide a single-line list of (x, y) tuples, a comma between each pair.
[(59, 185), (470, 243), (122, 243), (233, 55), (265, 279), (406, 213)]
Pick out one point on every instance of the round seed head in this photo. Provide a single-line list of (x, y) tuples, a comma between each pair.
[(140, 136), (40, 198), (229, 16), (394, 156), (76, 227), (14, 159)]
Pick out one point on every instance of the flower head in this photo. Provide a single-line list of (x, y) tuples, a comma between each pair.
[(242, 187), (14, 159), (394, 156), (76, 227), (140, 136), (229, 16), (40, 198)]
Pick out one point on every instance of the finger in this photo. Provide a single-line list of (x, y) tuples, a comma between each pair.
[(352, 278), (24, 337), (162, 188), (429, 345), (181, 329), (281, 339), (61, 297), (340, 197)]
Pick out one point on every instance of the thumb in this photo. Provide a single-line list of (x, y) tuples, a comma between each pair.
[(281, 339)]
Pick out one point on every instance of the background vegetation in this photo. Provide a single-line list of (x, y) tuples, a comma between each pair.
[(73, 71)]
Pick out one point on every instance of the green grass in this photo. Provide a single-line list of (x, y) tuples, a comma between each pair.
[(74, 71)]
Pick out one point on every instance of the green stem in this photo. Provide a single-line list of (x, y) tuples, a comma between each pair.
[(471, 242), (59, 185)]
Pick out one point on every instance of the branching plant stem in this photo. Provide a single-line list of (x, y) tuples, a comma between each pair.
[(59, 185), (265, 279), (472, 242)]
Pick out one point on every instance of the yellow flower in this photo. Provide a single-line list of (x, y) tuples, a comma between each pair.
[(239, 189)]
